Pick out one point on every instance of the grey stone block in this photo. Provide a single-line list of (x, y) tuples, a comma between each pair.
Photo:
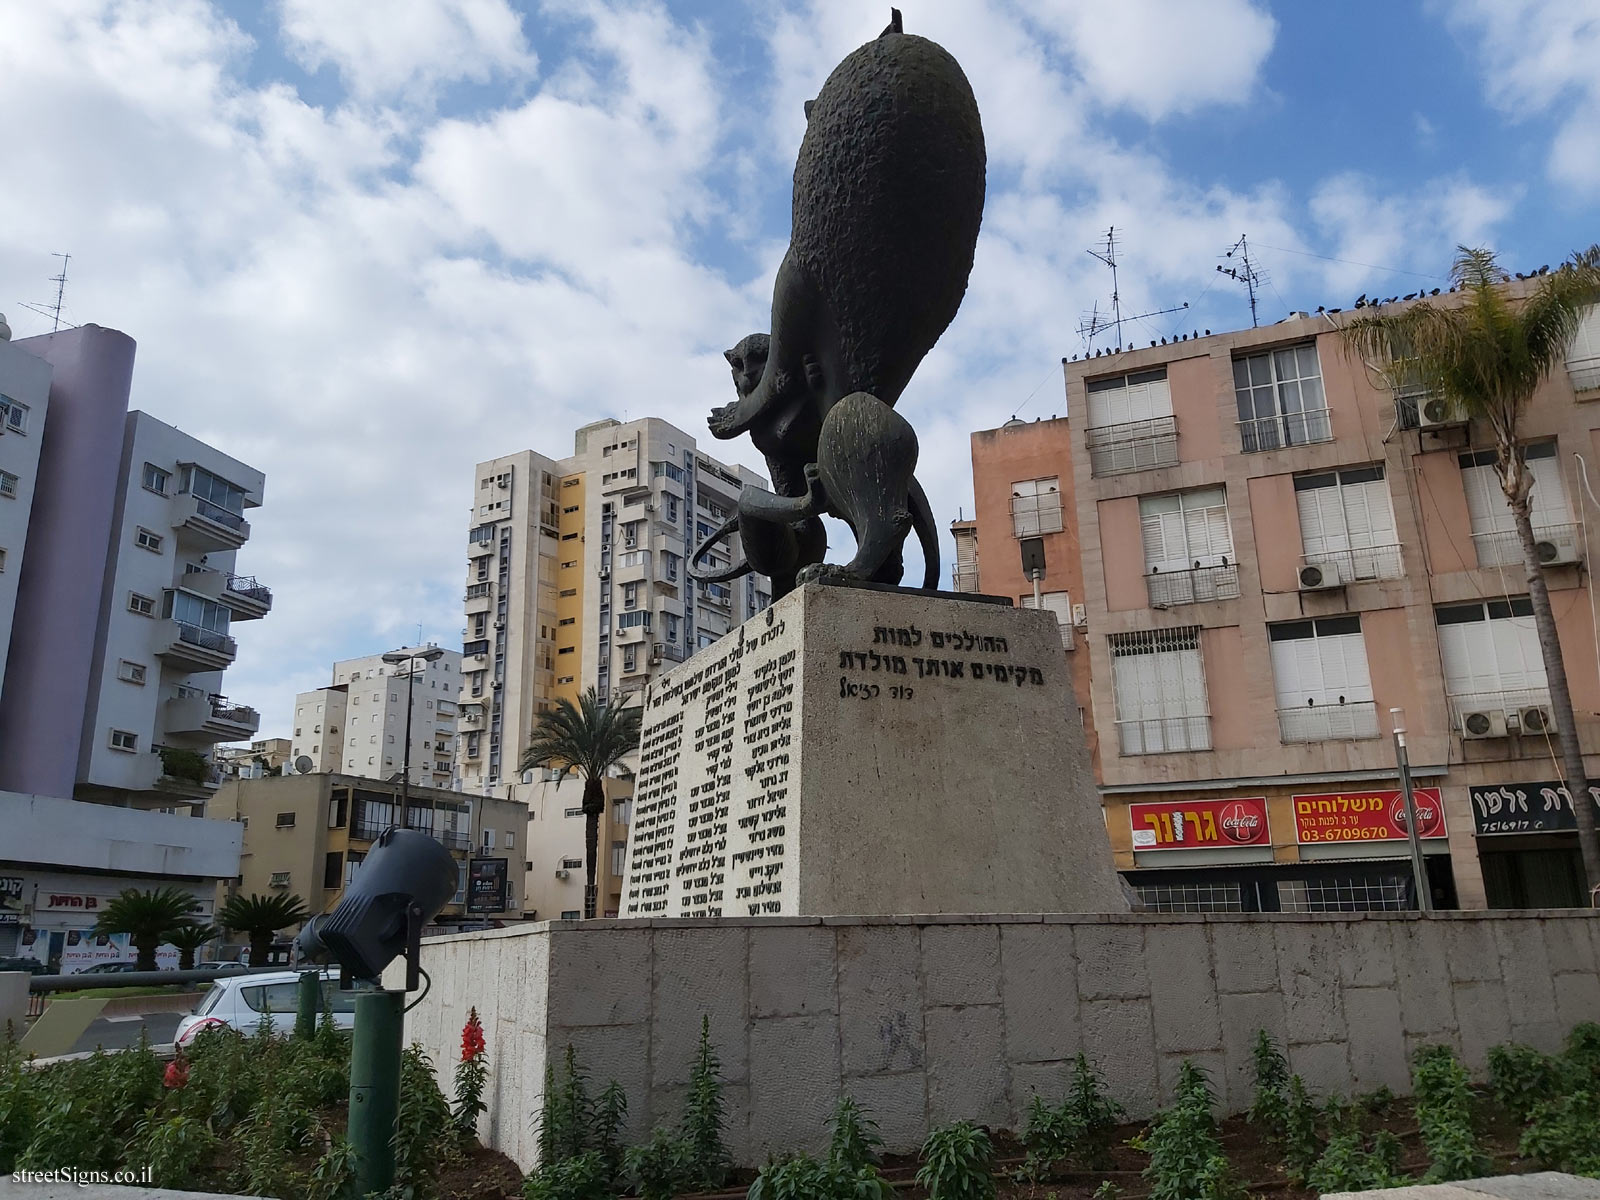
[(1325, 1066), (794, 1083), (880, 999), (1047, 1080), (612, 1052), (1570, 944), (599, 978), (1485, 1021), (1111, 963), (1423, 972), (1243, 1015), (1377, 1041), (1308, 973), (1246, 957), (1577, 1000), (966, 1066), (698, 973), (1182, 992), (961, 964), (1471, 951), (792, 971), (1039, 987), (898, 1103), (1366, 954), (1120, 1042), (1530, 993), (1211, 1062)]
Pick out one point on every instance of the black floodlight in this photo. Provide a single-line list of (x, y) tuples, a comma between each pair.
[(403, 882)]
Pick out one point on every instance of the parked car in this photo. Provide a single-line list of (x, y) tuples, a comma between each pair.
[(222, 968), (19, 963), (238, 1002)]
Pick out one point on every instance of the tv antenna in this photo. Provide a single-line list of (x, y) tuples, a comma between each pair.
[(54, 311), (1094, 323), (1245, 273)]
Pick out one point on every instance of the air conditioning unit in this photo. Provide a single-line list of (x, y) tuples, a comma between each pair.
[(1320, 576), (496, 685), (562, 873), (1483, 723), (1557, 549), (1533, 718), (1435, 412)]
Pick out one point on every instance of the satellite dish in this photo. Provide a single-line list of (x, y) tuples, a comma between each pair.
[(303, 764)]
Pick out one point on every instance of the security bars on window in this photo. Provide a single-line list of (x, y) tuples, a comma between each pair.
[(1159, 681)]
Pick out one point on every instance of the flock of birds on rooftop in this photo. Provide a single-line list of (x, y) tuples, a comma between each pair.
[(1361, 302)]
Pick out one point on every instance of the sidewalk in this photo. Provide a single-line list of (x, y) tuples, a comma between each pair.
[(1547, 1185)]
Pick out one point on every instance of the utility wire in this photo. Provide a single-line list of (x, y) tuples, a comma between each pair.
[(1349, 262)]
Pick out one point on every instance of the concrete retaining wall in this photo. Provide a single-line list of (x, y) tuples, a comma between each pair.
[(925, 1020)]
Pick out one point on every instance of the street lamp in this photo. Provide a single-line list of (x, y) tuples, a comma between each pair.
[(395, 658), (1419, 872)]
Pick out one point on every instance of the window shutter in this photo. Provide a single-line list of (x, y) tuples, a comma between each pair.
[(1549, 495), (1467, 651), (1486, 503), (1585, 347)]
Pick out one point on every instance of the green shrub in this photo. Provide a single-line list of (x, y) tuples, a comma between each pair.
[(424, 1136), (1350, 1165), (1565, 1134), (19, 1104), (334, 1176), (958, 1163), (848, 1173), (1094, 1113), (1049, 1135), (1270, 1107), (855, 1142), (659, 1169), (1521, 1078), (177, 1149), (1582, 1054), (1301, 1145), (1186, 1158), (610, 1111), (576, 1177), (703, 1117), (187, 765), (1444, 1114)]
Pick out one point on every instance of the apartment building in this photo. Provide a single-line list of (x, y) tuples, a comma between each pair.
[(577, 577), (24, 407), (1263, 549), (264, 756), (307, 835), (357, 725)]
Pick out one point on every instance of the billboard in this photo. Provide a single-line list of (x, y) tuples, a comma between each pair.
[(1525, 808), (1200, 824), (486, 886), (1376, 815), (10, 899)]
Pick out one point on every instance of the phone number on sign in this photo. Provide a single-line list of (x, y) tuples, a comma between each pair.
[(1381, 833)]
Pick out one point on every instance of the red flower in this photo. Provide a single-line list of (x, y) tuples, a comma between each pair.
[(177, 1074), (472, 1043)]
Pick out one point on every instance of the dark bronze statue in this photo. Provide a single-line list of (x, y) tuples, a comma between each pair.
[(888, 197)]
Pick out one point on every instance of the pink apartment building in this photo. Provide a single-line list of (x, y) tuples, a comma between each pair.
[(1258, 549)]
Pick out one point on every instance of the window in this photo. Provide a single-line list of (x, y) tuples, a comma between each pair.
[(672, 510), (15, 413), (143, 605), (332, 869), (189, 609), (619, 858), (122, 739), (130, 672), (569, 509), (569, 914), (1491, 654), (147, 539), (1320, 670), (1036, 507), (669, 565), (574, 812), (630, 595), (1583, 356), (205, 485), (352, 862), (1159, 682), (1188, 548), (672, 627), (511, 839), (630, 660), (1059, 603), (1493, 530), (571, 864), (155, 479), (631, 620), (1280, 399), (285, 820), (1347, 523), (488, 839), (1130, 423), (8, 485), (622, 810)]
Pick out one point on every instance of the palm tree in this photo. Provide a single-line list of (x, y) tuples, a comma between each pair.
[(146, 917), (261, 917), (590, 738), (1487, 354), (187, 938)]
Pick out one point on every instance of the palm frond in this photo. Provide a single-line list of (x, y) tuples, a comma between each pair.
[(261, 913), (587, 738)]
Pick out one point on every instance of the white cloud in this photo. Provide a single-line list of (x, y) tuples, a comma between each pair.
[(1539, 56), (399, 48)]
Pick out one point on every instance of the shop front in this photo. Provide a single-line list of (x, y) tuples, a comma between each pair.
[(1527, 838), (49, 917), (1281, 851)]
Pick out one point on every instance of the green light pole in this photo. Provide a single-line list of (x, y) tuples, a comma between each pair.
[(308, 999), (375, 1087)]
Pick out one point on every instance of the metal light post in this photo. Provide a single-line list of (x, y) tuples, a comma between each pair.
[(395, 658), (1419, 873)]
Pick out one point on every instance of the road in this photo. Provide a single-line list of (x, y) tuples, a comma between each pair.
[(117, 1033)]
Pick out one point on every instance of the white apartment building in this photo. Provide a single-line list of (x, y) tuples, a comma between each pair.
[(577, 576), (24, 405), (357, 725)]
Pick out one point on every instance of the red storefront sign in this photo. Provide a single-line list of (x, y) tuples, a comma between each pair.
[(1371, 816), (1199, 824)]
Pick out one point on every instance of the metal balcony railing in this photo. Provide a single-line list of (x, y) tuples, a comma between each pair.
[(246, 585), (1556, 544), (215, 512), (1359, 565), (1337, 722), (1285, 429), (1164, 735), (1195, 586), (206, 638), (1585, 374), (239, 714), (476, 591), (1133, 446), (965, 578)]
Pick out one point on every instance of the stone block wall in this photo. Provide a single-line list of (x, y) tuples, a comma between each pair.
[(926, 1020)]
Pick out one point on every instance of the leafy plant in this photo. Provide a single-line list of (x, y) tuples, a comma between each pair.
[(1582, 1053), (1186, 1158), (1107, 1191), (146, 917), (424, 1136), (20, 1097), (848, 1173), (610, 1111), (1301, 1145), (187, 938), (1522, 1078), (958, 1163), (187, 765), (703, 1117), (660, 1169), (1050, 1135), (855, 1142), (1444, 1114), (577, 1177), (175, 1148), (334, 1175), (260, 917), (1564, 1134), (472, 1072), (1270, 1107), (1094, 1113), (1349, 1165)]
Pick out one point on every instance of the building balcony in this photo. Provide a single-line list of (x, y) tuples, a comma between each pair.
[(1197, 585), (1133, 446), (1341, 722), (187, 774), (192, 648), (1362, 565), (964, 577), (244, 598), (665, 652), (1557, 545), (632, 566), (717, 595), (1282, 430), (632, 635), (211, 717), (1585, 374), (208, 525), (1163, 735)]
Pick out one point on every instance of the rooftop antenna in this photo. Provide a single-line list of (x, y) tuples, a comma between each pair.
[(1244, 273), (54, 311), (1093, 323)]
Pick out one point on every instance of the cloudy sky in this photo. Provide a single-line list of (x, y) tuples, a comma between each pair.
[(365, 245)]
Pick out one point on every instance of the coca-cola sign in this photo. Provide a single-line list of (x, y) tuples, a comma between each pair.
[(1199, 824), (1373, 815)]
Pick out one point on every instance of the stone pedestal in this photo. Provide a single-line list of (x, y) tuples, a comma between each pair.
[(869, 751)]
